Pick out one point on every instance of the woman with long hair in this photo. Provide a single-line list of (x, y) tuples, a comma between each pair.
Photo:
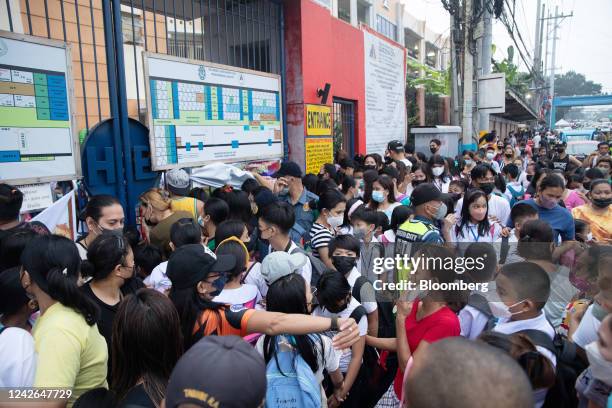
[(474, 224), (102, 213), (146, 345), (437, 173), (49, 274), (383, 196), (331, 208)]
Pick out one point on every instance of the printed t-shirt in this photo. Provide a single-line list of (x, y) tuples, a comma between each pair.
[(601, 224)]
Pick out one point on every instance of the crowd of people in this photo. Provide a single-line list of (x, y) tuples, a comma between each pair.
[(279, 293)]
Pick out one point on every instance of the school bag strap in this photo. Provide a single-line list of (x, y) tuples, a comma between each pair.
[(356, 292), (480, 303), (358, 313), (539, 338), (504, 249), (247, 272)]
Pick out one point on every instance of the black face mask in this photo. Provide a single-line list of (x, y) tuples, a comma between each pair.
[(508, 155), (417, 182), (369, 167), (529, 177), (487, 188), (456, 196), (338, 308), (586, 185), (344, 264), (149, 223), (601, 202), (433, 150)]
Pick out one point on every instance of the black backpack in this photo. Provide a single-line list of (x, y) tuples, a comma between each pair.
[(569, 366), (480, 303)]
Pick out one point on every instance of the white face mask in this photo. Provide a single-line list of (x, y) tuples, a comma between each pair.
[(437, 171), (600, 367), (589, 236), (500, 310), (490, 156), (336, 221)]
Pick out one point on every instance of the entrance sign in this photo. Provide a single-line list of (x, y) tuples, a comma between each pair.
[(318, 120), (385, 100), (201, 113), (38, 134)]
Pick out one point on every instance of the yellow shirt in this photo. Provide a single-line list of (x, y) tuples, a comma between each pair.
[(187, 204), (71, 354), (601, 224)]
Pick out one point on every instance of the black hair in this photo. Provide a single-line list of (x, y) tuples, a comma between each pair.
[(189, 305), (347, 163), (217, 210), (382, 221), (288, 295), (53, 262), (96, 398), (365, 214), (449, 202), (279, 214), (537, 175), (400, 215), (11, 199), (484, 225), (185, 231), (325, 185), (96, 204), (239, 206), (594, 173), (500, 183), (487, 254), (198, 193), (12, 245), (522, 210), (433, 160), (332, 288), (511, 170), (348, 242), (249, 185), (551, 181), (104, 254), (391, 172), (436, 141), (387, 184), (535, 239), (310, 182), (237, 251), (481, 170), (331, 170), (146, 258), (12, 294), (597, 182), (347, 183), (146, 344), (580, 227), (459, 183), (377, 158), (409, 148), (229, 228), (421, 156), (603, 144), (529, 281), (330, 199), (369, 177)]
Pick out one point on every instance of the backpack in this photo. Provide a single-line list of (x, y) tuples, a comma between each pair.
[(569, 366), (504, 250), (480, 303), (356, 292), (516, 195), (291, 382), (318, 267)]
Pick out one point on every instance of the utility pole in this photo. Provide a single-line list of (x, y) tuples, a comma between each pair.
[(454, 72), (537, 43), (487, 41), (468, 75)]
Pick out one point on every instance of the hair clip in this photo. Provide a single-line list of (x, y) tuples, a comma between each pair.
[(65, 271)]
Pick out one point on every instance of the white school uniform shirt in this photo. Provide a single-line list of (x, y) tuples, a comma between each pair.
[(516, 186), (17, 358), (561, 293), (470, 233), (345, 360), (587, 329), (366, 293), (498, 207), (472, 322), (256, 278), (442, 184), (158, 279), (246, 295)]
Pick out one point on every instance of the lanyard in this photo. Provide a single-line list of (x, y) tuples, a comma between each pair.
[(474, 235)]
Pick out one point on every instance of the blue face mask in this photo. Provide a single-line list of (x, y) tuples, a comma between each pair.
[(378, 196), (219, 284)]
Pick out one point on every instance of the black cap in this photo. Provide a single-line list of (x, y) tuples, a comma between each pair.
[(348, 163), (395, 146), (218, 371), (190, 264), (424, 193), (288, 168)]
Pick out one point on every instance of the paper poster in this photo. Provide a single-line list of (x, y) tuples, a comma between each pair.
[(319, 150), (36, 197), (60, 218), (385, 100)]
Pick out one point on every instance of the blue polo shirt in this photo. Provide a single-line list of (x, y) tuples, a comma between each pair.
[(559, 219), (304, 215)]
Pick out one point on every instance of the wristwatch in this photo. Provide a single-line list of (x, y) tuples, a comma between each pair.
[(334, 324)]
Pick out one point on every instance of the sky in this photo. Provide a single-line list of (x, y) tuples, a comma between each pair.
[(584, 39)]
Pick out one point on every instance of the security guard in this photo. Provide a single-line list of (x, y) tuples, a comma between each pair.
[(290, 189)]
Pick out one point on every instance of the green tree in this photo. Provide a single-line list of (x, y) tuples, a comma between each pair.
[(516, 80), (572, 83), (434, 81)]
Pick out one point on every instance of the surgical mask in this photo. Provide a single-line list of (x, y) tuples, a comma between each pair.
[(601, 202), (359, 233), (598, 312), (501, 310), (437, 171), (490, 156), (116, 232), (218, 284), (344, 264), (589, 236), (468, 162), (378, 196), (284, 191), (599, 366), (487, 188), (548, 204), (201, 221), (335, 221), (441, 212)]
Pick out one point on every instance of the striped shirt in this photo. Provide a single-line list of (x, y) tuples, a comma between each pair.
[(319, 238)]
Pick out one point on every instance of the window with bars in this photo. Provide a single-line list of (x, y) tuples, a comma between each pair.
[(431, 55), (412, 43), (386, 27)]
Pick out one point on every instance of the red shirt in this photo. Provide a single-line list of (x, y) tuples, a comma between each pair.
[(438, 325)]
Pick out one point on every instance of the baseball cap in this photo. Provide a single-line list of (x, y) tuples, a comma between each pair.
[(177, 182), (395, 146), (278, 264), (218, 371), (190, 264), (424, 193), (288, 168)]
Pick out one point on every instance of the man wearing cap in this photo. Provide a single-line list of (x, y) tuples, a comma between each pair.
[(395, 150), (177, 184), (562, 160), (290, 189)]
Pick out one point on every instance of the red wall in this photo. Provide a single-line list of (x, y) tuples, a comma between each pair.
[(318, 49)]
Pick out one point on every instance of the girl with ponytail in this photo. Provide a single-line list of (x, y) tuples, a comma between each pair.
[(71, 352)]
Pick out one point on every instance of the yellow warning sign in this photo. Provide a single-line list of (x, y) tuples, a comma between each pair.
[(319, 150), (318, 120)]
